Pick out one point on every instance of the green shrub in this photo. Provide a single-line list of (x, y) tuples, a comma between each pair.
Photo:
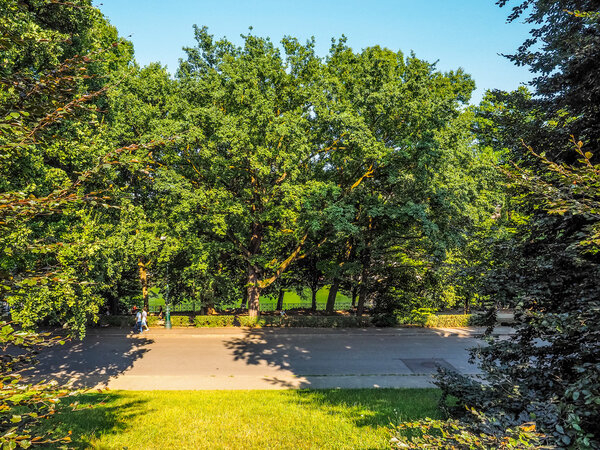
[(485, 434), (306, 321), (448, 321), (180, 321), (247, 321), (152, 321), (385, 320), (214, 321), (420, 316)]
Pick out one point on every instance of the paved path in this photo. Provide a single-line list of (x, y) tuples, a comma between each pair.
[(233, 358)]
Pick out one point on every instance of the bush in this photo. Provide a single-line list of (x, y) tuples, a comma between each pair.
[(180, 321), (246, 321), (482, 434), (262, 321), (448, 321), (152, 321), (415, 317), (306, 321), (385, 320), (214, 321)]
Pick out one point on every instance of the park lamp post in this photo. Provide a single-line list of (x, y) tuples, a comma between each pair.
[(167, 303)]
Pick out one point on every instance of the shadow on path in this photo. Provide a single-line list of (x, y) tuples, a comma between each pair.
[(349, 358), (88, 363)]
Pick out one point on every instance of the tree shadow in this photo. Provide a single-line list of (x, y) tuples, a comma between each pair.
[(88, 416), (89, 363), (316, 370), (354, 358), (375, 407)]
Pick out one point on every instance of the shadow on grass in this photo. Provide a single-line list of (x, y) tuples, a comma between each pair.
[(348, 418), (89, 416), (89, 363), (374, 407)]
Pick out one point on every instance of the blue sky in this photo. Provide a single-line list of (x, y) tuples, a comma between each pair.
[(464, 33)]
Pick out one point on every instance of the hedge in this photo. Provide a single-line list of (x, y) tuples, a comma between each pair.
[(306, 321), (213, 321), (432, 321), (449, 320), (246, 321)]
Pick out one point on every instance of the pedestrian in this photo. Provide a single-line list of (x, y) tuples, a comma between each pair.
[(145, 320), (138, 321)]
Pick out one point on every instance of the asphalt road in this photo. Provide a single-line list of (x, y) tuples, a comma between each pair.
[(256, 359)]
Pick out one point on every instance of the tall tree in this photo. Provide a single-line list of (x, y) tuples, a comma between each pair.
[(419, 196), (54, 155), (548, 266), (563, 53), (254, 149)]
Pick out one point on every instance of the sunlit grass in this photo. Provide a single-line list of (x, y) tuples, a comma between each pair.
[(322, 419), (290, 299)]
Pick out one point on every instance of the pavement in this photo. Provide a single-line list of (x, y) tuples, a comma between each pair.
[(271, 358)]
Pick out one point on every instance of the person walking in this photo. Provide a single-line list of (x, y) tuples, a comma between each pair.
[(144, 320), (138, 321)]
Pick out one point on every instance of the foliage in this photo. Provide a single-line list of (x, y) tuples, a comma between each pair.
[(181, 321), (549, 369), (120, 321), (214, 321), (23, 406), (548, 265), (306, 321), (563, 52), (431, 433), (52, 157), (449, 320)]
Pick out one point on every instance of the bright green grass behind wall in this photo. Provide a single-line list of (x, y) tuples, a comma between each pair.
[(290, 298)]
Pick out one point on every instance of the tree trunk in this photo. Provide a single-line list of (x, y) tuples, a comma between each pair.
[(332, 294), (253, 292), (354, 291), (363, 291), (313, 305), (253, 271), (280, 299), (244, 299), (144, 281)]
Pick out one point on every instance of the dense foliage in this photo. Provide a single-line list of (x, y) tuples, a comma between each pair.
[(264, 167), (23, 406), (547, 264), (57, 61), (292, 171)]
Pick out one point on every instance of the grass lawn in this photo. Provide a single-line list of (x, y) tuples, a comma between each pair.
[(291, 299), (318, 419)]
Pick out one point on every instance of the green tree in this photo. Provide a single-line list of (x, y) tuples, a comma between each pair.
[(547, 265), (414, 154), (252, 150), (563, 53), (55, 158)]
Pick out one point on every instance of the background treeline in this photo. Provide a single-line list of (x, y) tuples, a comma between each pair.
[(254, 169), (262, 167)]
